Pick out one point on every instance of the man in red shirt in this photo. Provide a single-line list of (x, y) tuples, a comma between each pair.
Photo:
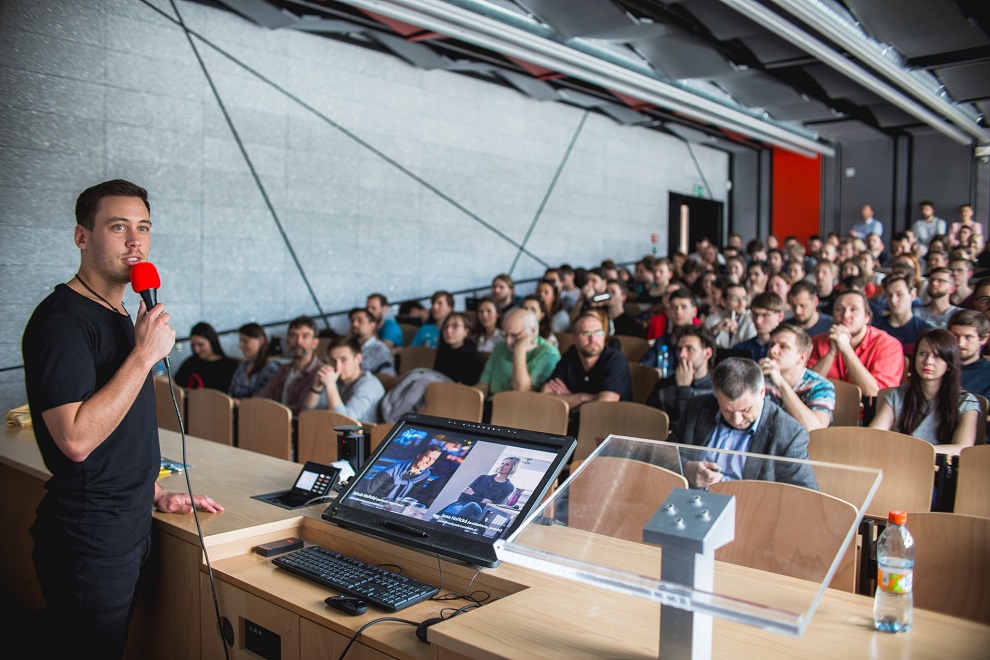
[(856, 352)]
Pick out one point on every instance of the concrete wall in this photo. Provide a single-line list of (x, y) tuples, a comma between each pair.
[(382, 176)]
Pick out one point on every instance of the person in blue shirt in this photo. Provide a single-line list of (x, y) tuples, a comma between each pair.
[(901, 323), (972, 329), (441, 305), (869, 225), (388, 328), (767, 310)]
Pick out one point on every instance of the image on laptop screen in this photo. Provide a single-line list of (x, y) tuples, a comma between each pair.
[(449, 486)]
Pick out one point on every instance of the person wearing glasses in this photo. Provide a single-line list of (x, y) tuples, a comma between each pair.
[(589, 370), (767, 310), (521, 362), (962, 273), (938, 310)]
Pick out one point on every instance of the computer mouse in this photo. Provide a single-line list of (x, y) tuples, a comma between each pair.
[(349, 604), (421, 628)]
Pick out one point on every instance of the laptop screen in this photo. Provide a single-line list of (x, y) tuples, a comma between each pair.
[(451, 487)]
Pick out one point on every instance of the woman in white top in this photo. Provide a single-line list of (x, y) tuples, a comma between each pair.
[(932, 405)]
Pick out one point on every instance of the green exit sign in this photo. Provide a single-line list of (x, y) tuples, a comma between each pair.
[(699, 190)]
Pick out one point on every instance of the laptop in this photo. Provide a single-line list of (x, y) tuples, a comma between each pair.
[(314, 481), (451, 487)]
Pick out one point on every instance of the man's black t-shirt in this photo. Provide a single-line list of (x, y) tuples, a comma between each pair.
[(72, 347), (610, 374)]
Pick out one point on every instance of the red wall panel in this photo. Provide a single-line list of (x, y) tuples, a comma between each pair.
[(796, 195)]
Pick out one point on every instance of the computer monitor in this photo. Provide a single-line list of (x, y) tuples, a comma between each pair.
[(451, 487)]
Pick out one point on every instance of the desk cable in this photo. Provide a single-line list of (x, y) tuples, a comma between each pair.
[(223, 625)]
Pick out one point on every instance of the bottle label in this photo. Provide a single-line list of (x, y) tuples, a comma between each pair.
[(894, 583)]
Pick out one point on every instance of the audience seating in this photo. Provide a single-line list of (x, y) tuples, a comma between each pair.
[(377, 434), (533, 411), (634, 348), (790, 530), (644, 379), (265, 426), (387, 381), (454, 401), (908, 466), (951, 574), (210, 415), (415, 357), (317, 439), (599, 419), (973, 482), (848, 403), (633, 490), (408, 332), (564, 341), (165, 407), (981, 421)]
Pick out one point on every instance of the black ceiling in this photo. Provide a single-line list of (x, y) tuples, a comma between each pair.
[(704, 43)]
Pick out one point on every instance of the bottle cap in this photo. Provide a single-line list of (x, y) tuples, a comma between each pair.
[(897, 517)]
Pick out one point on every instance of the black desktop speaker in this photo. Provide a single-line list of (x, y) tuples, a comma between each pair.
[(351, 445)]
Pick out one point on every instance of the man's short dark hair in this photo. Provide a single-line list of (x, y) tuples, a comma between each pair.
[(565, 269), (803, 286), (754, 246), (768, 300), (623, 287), (348, 341), (894, 278), (973, 319), (858, 294), (854, 283), (361, 310), (735, 376), (89, 199), (683, 292), (925, 202), (758, 265), (900, 236), (703, 334), (446, 295), (382, 300), (304, 322), (600, 272)]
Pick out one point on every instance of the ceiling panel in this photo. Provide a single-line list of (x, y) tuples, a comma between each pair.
[(757, 90), (684, 56), (918, 27), (967, 82)]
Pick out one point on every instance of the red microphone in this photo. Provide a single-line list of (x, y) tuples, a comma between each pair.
[(145, 282)]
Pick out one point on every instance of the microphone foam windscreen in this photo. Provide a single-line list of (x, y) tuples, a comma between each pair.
[(144, 276)]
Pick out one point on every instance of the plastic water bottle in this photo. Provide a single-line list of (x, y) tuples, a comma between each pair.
[(663, 360), (893, 605)]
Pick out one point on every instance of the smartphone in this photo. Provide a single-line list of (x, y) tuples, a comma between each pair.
[(601, 297)]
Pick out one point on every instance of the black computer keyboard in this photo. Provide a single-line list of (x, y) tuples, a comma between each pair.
[(378, 586)]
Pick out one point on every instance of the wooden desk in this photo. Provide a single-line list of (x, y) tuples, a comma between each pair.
[(536, 615)]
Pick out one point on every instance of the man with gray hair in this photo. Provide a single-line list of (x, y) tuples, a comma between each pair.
[(521, 362), (739, 417)]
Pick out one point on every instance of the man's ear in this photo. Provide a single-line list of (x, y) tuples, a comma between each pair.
[(79, 237)]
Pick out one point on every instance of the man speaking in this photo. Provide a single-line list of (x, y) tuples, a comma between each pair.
[(87, 372)]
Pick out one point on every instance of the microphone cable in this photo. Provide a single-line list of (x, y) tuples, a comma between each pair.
[(223, 626)]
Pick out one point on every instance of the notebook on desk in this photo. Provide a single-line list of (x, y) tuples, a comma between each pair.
[(451, 487)]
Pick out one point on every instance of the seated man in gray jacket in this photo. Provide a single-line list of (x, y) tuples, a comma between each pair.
[(738, 416)]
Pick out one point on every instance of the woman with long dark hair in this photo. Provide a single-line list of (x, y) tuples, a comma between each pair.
[(535, 304), (208, 366), (932, 405), (488, 331), (457, 354), (257, 368)]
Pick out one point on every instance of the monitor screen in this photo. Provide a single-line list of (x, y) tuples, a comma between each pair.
[(451, 487)]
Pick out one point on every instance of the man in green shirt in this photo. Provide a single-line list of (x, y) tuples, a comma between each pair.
[(521, 362)]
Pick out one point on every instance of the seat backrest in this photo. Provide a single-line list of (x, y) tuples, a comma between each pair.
[(453, 401), (599, 419), (165, 408), (634, 348), (533, 411), (564, 341), (644, 379), (908, 466), (377, 434), (848, 403), (408, 332), (317, 439), (633, 491), (973, 482), (981, 421), (789, 530), (415, 357), (265, 426), (951, 574), (210, 415), (387, 381)]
